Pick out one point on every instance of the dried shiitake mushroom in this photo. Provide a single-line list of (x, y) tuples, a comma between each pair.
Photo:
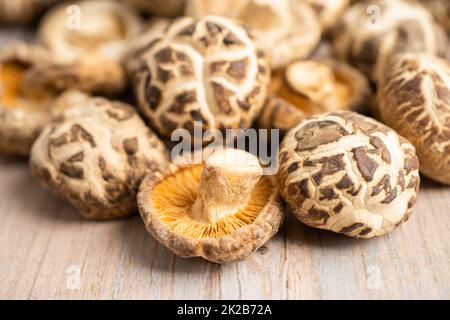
[(286, 30), (440, 9), (101, 26), (17, 12), (349, 174), (316, 86), (138, 45), (206, 70), (222, 210), (328, 11), (95, 155), (414, 99), (372, 31), (165, 8), (277, 113), (24, 108), (90, 73), (87, 39)]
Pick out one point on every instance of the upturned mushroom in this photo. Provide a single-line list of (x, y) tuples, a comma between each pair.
[(349, 174), (102, 26), (277, 113), (222, 210), (286, 30), (372, 31), (414, 100), (24, 108), (206, 70), (88, 40), (95, 155), (316, 86)]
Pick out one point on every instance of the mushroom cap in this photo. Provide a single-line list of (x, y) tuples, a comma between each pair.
[(316, 86), (137, 45), (231, 239), (349, 174), (414, 99), (24, 109), (286, 30), (206, 70), (277, 113), (104, 27), (368, 39), (440, 9), (329, 11), (164, 8), (95, 155), (91, 73)]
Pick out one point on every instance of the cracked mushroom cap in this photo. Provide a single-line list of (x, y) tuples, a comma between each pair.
[(277, 113), (24, 108), (349, 174), (95, 155), (286, 30), (15, 12), (164, 8), (368, 40), (222, 210), (136, 46), (103, 26), (329, 11), (414, 99), (204, 70), (316, 86)]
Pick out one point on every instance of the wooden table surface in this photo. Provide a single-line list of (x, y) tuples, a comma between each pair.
[(48, 252)]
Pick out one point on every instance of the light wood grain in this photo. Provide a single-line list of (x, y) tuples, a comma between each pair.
[(41, 237)]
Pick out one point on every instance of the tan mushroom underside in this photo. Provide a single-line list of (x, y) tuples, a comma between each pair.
[(12, 95), (174, 197)]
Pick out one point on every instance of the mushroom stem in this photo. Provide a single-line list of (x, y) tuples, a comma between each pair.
[(226, 184)]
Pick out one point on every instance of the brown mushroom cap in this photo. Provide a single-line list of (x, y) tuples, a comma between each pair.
[(414, 99), (349, 174), (136, 46), (24, 108), (368, 40), (219, 212), (316, 86), (206, 70), (286, 30), (95, 155), (104, 27)]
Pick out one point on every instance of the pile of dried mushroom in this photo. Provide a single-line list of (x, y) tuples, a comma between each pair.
[(310, 68)]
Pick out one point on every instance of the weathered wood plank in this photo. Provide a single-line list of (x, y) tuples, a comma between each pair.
[(43, 242)]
